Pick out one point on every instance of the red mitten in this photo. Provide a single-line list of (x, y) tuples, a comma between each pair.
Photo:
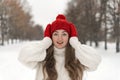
[(47, 32), (73, 31), (73, 37), (47, 37)]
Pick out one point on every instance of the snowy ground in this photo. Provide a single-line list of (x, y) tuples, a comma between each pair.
[(11, 69)]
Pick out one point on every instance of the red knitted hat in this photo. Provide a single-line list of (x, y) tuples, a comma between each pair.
[(60, 23)]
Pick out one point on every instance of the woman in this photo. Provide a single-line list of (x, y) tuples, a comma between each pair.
[(60, 55)]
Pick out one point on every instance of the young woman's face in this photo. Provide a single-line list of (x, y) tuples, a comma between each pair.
[(60, 38)]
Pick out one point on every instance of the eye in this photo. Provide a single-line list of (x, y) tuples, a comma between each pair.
[(64, 34), (55, 34)]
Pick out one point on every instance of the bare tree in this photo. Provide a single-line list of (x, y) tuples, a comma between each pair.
[(115, 12), (3, 21), (19, 19), (83, 14)]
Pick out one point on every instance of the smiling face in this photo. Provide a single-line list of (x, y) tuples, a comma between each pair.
[(60, 38)]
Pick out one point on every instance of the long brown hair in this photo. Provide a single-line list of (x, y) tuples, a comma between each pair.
[(72, 65)]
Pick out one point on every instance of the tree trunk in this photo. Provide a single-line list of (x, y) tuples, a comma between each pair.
[(117, 45), (105, 38), (2, 39)]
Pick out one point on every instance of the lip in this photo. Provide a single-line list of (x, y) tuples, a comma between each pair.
[(59, 43)]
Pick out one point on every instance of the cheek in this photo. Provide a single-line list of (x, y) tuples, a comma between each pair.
[(54, 39), (65, 40)]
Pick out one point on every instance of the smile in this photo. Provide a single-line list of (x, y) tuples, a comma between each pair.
[(59, 42)]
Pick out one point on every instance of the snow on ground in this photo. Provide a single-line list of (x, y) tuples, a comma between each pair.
[(12, 69), (109, 69)]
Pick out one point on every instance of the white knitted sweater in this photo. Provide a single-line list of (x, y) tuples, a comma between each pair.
[(34, 53)]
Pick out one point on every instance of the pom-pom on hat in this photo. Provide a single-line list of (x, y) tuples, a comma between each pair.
[(60, 23), (60, 16)]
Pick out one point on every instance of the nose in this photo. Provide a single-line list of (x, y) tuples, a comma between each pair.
[(60, 37)]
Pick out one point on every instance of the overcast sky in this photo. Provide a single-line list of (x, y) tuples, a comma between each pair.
[(45, 11)]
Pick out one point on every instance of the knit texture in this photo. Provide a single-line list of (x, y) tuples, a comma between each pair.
[(60, 23)]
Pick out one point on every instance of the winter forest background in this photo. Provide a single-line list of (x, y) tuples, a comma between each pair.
[(97, 23)]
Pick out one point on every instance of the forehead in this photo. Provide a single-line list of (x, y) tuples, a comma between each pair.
[(60, 30)]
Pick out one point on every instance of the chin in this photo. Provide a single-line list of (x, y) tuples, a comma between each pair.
[(60, 47)]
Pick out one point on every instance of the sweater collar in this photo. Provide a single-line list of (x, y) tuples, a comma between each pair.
[(59, 52)]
